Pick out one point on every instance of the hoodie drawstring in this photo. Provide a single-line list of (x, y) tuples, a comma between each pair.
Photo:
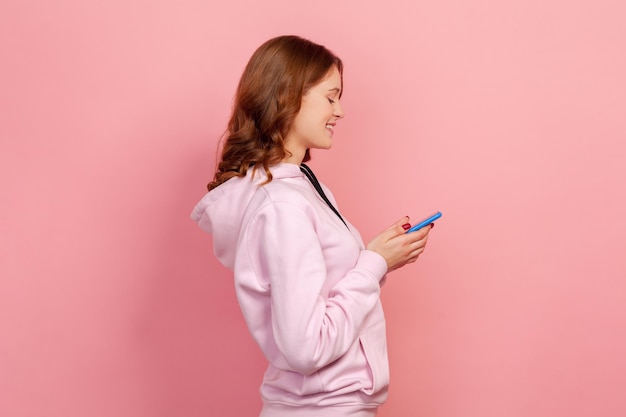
[(309, 174)]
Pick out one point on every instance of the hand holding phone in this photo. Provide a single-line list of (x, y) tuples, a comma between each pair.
[(428, 220)]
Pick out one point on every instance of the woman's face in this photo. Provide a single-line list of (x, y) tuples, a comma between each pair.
[(313, 126)]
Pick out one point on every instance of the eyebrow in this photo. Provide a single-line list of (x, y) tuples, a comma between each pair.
[(336, 89)]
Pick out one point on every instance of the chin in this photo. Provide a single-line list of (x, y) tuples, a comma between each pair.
[(327, 145)]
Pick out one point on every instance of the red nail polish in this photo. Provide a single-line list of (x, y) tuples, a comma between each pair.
[(432, 225), (406, 226)]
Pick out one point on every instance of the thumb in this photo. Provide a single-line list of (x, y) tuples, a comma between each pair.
[(399, 227)]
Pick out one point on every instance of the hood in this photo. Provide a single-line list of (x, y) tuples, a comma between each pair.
[(221, 210)]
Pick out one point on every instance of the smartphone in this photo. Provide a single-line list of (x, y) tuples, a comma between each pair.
[(428, 220)]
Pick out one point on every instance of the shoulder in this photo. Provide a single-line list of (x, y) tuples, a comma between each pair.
[(288, 185), (284, 197)]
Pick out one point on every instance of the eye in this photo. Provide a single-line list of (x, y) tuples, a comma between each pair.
[(331, 100)]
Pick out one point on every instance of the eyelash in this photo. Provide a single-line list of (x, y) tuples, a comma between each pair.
[(331, 101)]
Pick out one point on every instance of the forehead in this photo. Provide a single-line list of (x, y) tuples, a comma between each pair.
[(331, 82)]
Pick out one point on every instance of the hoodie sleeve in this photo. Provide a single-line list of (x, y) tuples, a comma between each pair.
[(286, 258)]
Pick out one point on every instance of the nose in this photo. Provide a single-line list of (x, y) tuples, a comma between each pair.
[(338, 110)]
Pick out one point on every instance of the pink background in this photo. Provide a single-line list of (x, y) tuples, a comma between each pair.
[(509, 117)]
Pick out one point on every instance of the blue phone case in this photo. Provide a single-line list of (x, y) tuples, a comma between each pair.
[(424, 222)]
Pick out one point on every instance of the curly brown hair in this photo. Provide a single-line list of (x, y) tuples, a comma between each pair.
[(268, 98)]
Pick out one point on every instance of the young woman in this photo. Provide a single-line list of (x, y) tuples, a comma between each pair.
[(308, 287)]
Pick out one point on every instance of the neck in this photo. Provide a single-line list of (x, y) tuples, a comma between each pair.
[(294, 157)]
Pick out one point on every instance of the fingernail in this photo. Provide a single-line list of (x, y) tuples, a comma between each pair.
[(406, 226), (432, 225)]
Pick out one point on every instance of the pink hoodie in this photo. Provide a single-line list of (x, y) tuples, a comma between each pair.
[(308, 289)]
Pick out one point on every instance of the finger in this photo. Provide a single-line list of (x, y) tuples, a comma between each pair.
[(418, 244), (415, 254), (397, 228), (400, 222), (410, 240), (419, 234)]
